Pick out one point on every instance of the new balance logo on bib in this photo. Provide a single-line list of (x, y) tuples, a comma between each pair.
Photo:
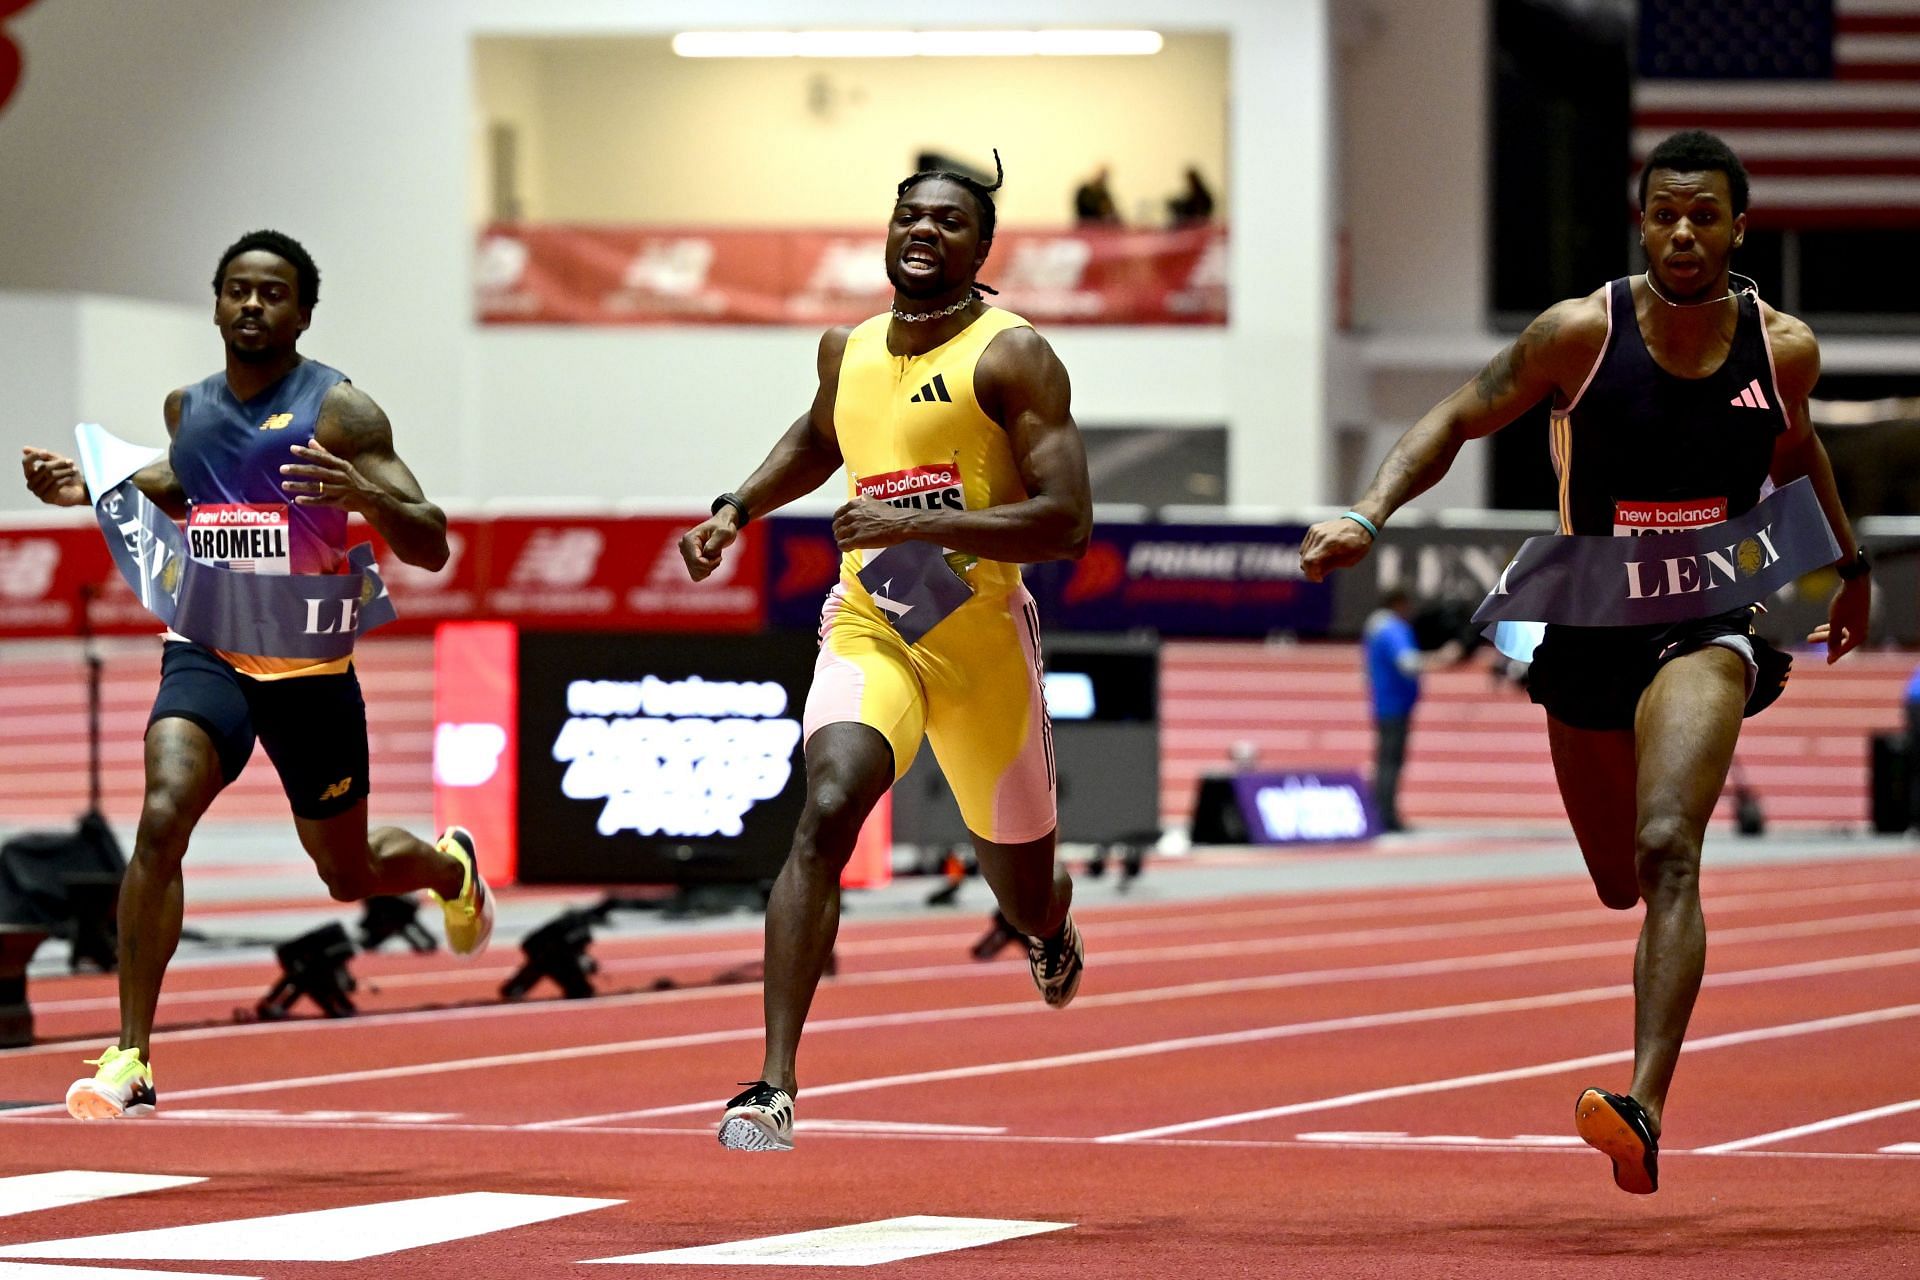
[(1667, 517), (243, 537), (933, 488)]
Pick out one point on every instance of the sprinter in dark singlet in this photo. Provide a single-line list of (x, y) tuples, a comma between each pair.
[(1678, 397), (267, 459)]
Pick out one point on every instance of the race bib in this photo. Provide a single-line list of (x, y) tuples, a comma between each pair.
[(934, 488), (1630, 518), (244, 537)]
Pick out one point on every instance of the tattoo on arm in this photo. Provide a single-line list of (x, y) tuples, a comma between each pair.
[(1503, 371)]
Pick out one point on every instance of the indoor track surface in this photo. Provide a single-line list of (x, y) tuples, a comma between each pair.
[(1343, 1083)]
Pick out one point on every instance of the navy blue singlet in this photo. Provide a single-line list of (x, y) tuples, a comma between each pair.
[(228, 450), (1642, 449)]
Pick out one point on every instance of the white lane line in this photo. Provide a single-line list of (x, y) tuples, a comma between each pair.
[(324, 1235), (1290, 1030), (1591, 917), (1897, 1149), (1400, 1138), (1182, 922), (863, 1244), (1818, 1126), (1436, 905), (34, 1192), (1022, 1008), (55, 1271), (1782, 1031)]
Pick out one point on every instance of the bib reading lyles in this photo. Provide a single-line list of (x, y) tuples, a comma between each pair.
[(242, 537)]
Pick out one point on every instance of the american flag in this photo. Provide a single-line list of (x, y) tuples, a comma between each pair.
[(1819, 98)]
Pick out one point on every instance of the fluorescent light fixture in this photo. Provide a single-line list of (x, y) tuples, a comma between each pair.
[(914, 44)]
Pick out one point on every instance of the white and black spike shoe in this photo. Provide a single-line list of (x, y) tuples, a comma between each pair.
[(1057, 963), (761, 1119)]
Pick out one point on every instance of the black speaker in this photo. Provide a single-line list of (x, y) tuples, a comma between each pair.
[(1892, 783)]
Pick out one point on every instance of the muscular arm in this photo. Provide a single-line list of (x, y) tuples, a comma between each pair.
[(802, 460), (352, 464), (1798, 452), (58, 482), (1556, 352), (1022, 385), (808, 452), (156, 479)]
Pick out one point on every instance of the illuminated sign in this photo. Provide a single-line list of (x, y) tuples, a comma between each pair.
[(659, 758)]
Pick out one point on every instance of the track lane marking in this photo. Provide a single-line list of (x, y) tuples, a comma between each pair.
[(1491, 926), (861, 1244), (1782, 1031), (56, 1189), (1256, 1035), (1026, 1008), (1817, 1126)]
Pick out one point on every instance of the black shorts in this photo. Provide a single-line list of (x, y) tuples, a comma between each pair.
[(313, 727), (1592, 677)]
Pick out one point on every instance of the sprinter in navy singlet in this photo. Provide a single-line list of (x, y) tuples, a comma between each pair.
[(1678, 397), (267, 459)]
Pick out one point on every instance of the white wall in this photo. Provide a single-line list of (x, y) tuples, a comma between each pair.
[(145, 137), (627, 131), (71, 358)]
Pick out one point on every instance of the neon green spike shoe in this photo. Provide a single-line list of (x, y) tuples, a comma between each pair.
[(122, 1089), (470, 915)]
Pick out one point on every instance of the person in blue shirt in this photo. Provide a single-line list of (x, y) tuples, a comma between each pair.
[(1394, 662)]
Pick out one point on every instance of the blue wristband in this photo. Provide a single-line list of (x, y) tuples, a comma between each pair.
[(1363, 522)]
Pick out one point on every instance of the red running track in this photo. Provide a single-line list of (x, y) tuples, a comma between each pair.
[(1339, 1084)]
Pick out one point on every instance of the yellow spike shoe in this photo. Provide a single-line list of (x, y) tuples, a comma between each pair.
[(122, 1089), (469, 916)]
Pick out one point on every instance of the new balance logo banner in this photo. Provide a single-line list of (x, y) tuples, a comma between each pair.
[(916, 588), (1751, 397), (300, 615), (1599, 581), (935, 390)]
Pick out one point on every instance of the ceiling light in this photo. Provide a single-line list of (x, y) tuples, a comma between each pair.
[(911, 44)]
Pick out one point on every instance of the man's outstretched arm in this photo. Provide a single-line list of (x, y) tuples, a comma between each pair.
[(1556, 351), (804, 457)]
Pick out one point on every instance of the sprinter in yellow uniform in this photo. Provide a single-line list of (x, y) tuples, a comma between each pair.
[(953, 422)]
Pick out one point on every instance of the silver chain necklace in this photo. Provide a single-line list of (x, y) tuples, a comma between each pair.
[(1654, 289), (916, 317)]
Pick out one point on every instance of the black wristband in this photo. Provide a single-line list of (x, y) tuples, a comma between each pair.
[(1858, 567), (733, 500)]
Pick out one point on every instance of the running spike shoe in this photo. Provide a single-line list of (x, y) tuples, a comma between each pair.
[(761, 1119), (122, 1089), (1615, 1124), (1057, 963), (469, 915)]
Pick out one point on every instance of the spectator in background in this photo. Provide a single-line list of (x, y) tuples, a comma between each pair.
[(1193, 206), (1093, 204), (1913, 749), (1394, 662)]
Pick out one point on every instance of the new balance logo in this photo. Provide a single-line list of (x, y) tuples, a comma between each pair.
[(935, 390), (338, 789), (1751, 398), (278, 422)]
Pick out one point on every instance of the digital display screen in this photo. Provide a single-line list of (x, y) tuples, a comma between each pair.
[(660, 758), (1284, 808)]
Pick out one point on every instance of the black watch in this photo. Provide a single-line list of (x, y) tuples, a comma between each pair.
[(733, 500), (1858, 567)]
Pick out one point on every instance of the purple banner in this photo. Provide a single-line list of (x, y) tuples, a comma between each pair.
[(1295, 808)]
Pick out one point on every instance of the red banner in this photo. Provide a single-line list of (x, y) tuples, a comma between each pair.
[(561, 572), (564, 274)]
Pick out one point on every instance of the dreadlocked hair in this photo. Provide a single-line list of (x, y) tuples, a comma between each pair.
[(982, 196)]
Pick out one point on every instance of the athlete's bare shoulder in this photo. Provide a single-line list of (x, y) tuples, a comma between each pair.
[(175, 405), (351, 423), (1570, 335), (1796, 353), (833, 346), (1018, 354)]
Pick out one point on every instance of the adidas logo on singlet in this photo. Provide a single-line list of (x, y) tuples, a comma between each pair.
[(1750, 397), (935, 390)]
